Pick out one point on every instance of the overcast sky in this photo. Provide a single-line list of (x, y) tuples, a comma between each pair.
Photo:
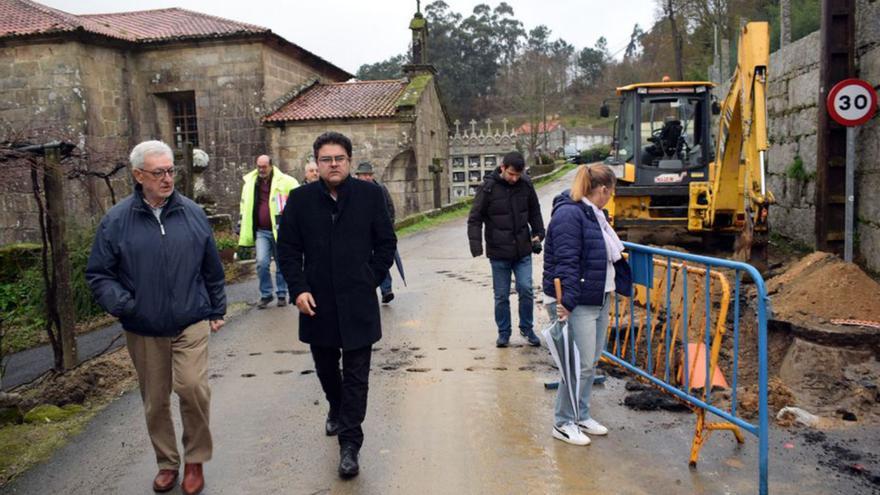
[(350, 33)]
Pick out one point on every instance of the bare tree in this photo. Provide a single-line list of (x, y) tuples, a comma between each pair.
[(670, 8)]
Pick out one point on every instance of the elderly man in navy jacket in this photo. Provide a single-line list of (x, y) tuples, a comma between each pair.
[(155, 266), (335, 245)]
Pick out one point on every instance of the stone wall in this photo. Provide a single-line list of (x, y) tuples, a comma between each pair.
[(793, 106), (227, 80), (68, 91), (431, 142), (377, 141), (107, 99), (282, 73)]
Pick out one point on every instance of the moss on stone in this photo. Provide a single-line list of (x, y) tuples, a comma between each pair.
[(415, 88), (418, 22), (48, 413)]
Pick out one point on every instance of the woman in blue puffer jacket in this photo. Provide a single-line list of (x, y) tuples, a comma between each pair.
[(584, 252)]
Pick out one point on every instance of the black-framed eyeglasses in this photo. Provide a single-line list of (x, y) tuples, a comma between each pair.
[(329, 160), (160, 172)]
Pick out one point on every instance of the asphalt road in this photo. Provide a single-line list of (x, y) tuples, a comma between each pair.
[(448, 413)]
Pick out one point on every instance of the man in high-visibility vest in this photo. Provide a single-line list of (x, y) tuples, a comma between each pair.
[(263, 197)]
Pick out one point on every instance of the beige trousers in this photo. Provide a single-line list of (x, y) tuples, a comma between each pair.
[(179, 364)]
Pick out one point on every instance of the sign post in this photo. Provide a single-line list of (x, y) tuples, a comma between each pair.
[(851, 103)]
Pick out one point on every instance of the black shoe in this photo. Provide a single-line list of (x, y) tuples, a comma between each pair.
[(331, 427), (530, 336), (503, 341), (387, 298), (282, 301), (264, 301), (348, 461)]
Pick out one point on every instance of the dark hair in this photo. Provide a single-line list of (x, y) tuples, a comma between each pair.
[(332, 137), (514, 160)]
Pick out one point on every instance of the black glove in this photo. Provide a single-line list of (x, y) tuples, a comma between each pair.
[(536, 247)]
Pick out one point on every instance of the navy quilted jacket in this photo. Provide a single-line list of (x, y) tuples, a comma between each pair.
[(574, 252)]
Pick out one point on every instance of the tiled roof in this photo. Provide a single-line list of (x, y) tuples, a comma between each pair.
[(170, 24), (357, 99), (527, 127), (24, 17)]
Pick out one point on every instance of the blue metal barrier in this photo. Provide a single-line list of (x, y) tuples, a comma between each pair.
[(635, 323)]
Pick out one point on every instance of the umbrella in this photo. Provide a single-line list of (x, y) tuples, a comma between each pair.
[(565, 354), (399, 264)]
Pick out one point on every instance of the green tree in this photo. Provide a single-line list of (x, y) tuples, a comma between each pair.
[(391, 68)]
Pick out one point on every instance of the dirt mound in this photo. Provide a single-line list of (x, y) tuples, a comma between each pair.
[(94, 380), (822, 287)]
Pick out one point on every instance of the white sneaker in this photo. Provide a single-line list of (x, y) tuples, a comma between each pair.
[(569, 432), (592, 427)]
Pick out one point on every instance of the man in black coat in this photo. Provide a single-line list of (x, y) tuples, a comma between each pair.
[(335, 245), (508, 206)]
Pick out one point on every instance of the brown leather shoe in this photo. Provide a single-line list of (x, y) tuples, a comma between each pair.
[(193, 479), (165, 481)]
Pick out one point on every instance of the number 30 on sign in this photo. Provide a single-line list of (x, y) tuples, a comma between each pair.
[(852, 102)]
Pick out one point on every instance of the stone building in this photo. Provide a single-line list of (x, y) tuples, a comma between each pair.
[(475, 153), (108, 81), (400, 126)]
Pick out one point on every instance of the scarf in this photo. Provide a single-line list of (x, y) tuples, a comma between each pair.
[(613, 246)]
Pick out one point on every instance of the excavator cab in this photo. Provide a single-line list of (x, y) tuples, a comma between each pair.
[(663, 142)]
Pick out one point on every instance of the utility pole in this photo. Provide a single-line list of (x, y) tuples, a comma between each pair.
[(837, 63)]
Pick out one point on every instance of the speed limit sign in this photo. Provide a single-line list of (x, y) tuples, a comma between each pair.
[(852, 102)]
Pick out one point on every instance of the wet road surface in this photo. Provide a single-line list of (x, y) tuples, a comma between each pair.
[(448, 412)]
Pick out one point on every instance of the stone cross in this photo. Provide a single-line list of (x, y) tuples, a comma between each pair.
[(457, 123), (488, 127), (473, 124), (504, 121)]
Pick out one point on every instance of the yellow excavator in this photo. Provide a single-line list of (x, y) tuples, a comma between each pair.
[(673, 174)]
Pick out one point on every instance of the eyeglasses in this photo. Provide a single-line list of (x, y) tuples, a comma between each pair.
[(160, 172), (329, 160)]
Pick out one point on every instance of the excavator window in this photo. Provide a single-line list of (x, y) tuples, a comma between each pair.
[(671, 130)]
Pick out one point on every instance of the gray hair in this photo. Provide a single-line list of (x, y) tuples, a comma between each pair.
[(146, 148)]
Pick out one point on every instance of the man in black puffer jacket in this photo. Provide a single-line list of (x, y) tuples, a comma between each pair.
[(508, 206)]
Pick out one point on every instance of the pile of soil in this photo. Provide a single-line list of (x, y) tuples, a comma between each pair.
[(821, 287), (94, 381)]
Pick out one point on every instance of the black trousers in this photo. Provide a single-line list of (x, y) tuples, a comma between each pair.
[(345, 389)]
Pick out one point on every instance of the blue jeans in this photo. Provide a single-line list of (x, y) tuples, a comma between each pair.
[(588, 327), (266, 250), (385, 285), (522, 271)]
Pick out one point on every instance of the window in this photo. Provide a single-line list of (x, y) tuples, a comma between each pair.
[(184, 123), (458, 176)]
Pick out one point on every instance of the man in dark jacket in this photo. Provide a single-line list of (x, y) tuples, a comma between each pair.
[(155, 266), (364, 171), (508, 206), (335, 245)]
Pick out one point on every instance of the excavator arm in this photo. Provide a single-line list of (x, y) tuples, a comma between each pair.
[(739, 173)]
